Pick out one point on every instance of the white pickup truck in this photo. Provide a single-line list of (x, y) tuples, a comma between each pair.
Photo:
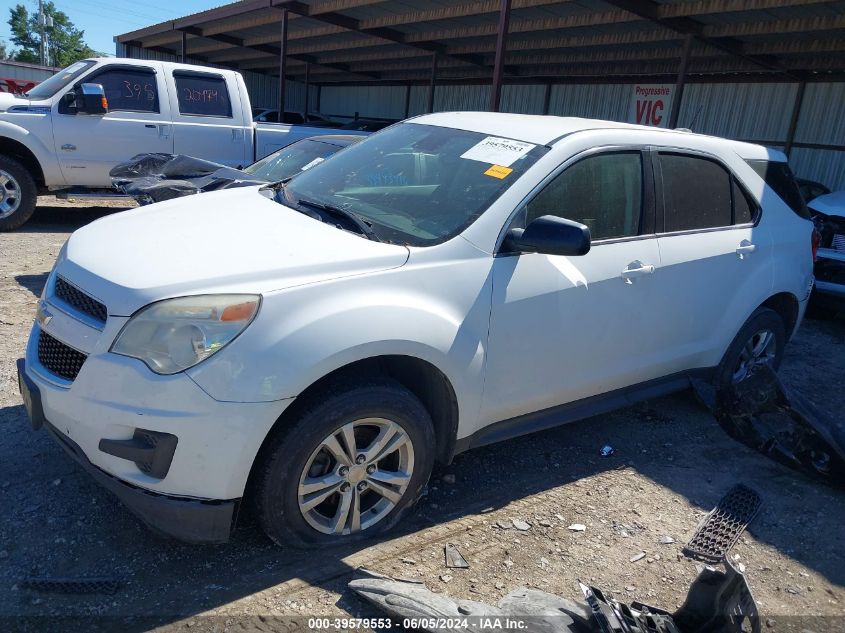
[(70, 130)]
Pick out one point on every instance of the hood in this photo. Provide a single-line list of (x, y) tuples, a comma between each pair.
[(832, 204), (229, 241), (7, 100)]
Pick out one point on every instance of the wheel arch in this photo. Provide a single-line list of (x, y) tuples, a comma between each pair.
[(422, 378), (20, 152), (787, 306)]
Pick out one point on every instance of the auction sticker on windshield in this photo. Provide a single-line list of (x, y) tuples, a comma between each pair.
[(498, 151)]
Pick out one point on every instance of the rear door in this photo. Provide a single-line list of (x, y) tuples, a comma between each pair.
[(716, 254), (138, 121), (208, 120)]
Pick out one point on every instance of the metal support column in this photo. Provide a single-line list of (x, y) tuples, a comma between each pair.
[(793, 121), (407, 100), (499, 64), (431, 83), (680, 83), (183, 57), (307, 88), (283, 46), (547, 98)]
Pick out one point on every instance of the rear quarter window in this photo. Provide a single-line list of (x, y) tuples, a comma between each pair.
[(780, 178)]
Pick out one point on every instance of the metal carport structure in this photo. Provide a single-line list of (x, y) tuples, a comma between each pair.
[(420, 44)]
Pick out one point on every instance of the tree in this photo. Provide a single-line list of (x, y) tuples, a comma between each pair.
[(3, 53), (65, 43)]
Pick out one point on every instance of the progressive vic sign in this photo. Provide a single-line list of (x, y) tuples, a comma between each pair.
[(650, 104)]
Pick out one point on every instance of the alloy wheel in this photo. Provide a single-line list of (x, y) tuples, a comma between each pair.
[(356, 476), (10, 194), (759, 350)]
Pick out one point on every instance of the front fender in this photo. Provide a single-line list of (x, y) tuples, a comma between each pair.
[(303, 334), (43, 153)]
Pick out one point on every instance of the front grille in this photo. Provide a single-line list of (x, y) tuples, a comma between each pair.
[(58, 358), (74, 297), (838, 243)]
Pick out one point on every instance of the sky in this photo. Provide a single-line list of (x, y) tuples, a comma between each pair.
[(103, 19)]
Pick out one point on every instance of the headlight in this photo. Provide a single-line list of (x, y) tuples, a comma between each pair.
[(175, 334)]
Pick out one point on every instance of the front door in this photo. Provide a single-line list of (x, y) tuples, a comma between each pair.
[(138, 121), (565, 328)]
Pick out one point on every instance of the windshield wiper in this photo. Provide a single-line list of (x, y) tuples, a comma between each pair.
[(351, 216)]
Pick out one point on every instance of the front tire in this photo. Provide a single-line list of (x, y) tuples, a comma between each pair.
[(347, 467), (18, 194), (760, 341)]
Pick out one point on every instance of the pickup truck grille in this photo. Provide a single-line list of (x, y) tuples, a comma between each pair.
[(58, 358), (838, 243), (74, 297)]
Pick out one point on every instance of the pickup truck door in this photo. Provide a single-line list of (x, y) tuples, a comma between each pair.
[(209, 120), (138, 121)]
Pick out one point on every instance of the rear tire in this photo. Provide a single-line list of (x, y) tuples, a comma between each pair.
[(761, 340), (18, 194), (310, 457)]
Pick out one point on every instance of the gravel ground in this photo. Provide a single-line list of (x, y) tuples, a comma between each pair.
[(671, 465)]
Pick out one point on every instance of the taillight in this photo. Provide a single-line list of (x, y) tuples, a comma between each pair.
[(815, 241)]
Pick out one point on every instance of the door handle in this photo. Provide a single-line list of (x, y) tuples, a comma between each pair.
[(745, 248), (636, 269), (150, 125)]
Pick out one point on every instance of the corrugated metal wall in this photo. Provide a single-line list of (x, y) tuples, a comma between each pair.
[(750, 111), (25, 71)]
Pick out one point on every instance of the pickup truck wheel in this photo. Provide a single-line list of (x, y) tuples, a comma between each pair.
[(347, 468), (760, 341), (17, 194)]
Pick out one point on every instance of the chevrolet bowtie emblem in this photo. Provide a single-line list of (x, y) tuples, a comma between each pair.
[(43, 315)]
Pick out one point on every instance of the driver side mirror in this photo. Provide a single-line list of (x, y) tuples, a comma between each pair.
[(88, 99), (549, 235)]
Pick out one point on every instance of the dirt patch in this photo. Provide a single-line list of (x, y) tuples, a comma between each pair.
[(670, 466)]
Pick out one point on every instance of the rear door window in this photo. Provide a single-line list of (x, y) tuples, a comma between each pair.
[(202, 94), (696, 193)]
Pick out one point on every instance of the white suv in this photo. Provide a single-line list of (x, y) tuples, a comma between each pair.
[(454, 280)]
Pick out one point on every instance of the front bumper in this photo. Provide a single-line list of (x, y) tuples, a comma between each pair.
[(191, 520)]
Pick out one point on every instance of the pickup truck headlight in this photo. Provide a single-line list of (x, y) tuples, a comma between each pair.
[(175, 334)]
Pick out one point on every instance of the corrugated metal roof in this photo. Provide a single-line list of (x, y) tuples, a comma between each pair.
[(735, 36)]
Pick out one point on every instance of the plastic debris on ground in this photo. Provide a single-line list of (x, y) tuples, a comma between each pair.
[(763, 414), (719, 600)]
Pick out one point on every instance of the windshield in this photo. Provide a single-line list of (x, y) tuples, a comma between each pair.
[(417, 184), (291, 160), (51, 86)]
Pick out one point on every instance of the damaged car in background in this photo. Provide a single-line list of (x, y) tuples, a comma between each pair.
[(157, 177), (828, 213), (314, 347)]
